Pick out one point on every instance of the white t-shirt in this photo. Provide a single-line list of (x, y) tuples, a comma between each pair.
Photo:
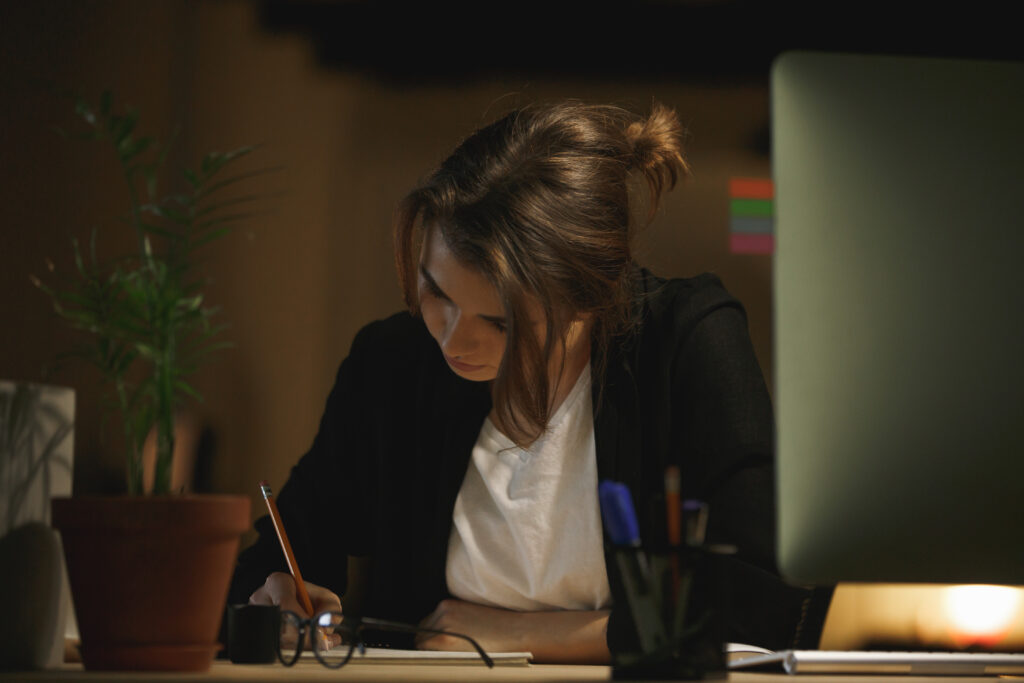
[(526, 531)]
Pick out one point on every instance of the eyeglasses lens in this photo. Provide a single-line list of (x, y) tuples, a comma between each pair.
[(326, 637), (291, 630)]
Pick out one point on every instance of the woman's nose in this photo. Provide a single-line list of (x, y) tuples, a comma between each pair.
[(459, 339)]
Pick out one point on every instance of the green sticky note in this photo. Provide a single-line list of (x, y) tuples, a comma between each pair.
[(750, 207)]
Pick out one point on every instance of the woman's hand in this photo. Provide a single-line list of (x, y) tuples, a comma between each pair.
[(279, 589), (563, 636)]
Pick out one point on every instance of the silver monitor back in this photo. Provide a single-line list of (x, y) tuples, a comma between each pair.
[(899, 318)]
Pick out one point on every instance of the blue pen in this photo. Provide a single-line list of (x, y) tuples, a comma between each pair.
[(621, 526), (620, 519)]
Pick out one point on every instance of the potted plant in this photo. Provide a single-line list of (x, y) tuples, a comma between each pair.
[(149, 573)]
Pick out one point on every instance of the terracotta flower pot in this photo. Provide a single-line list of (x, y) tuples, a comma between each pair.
[(149, 576)]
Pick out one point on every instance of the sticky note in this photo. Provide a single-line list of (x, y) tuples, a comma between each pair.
[(751, 223)]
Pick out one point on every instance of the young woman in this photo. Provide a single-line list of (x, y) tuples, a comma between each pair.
[(461, 447)]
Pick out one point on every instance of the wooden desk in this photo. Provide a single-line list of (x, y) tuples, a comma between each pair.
[(313, 671), (393, 673)]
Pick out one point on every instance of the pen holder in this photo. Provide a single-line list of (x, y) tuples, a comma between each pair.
[(675, 602)]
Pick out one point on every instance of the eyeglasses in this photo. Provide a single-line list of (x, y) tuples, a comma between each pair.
[(327, 629)]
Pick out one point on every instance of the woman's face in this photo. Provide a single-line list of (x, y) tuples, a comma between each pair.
[(462, 311)]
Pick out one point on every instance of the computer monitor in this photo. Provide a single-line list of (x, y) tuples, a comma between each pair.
[(899, 318)]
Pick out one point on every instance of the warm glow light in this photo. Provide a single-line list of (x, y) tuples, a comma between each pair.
[(981, 614)]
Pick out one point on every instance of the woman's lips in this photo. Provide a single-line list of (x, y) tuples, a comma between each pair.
[(462, 367)]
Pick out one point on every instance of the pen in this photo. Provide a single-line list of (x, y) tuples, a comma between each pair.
[(696, 522), (695, 513), (620, 522), (673, 518), (289, 556)]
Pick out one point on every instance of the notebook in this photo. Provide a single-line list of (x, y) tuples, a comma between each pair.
[(867, 662)]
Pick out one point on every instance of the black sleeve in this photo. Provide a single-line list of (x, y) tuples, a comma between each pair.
[(324, 504), (726, 428)]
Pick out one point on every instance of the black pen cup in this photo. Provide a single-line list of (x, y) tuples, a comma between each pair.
[(677, 616), (254, 633)]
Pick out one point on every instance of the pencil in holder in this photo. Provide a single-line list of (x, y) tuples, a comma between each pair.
[(675, 603)]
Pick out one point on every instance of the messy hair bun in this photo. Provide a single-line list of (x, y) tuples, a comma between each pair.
[(657, 150), (540, 202)]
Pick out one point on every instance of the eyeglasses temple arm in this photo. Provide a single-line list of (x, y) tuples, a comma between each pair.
[(408, 628)]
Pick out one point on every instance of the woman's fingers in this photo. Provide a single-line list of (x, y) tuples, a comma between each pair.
[(323, 599), (279, 589)]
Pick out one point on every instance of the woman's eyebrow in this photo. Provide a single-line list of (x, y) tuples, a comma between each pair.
[(433, 283)]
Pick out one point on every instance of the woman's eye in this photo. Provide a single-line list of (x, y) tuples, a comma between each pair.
[(429, 288), (499, 325)]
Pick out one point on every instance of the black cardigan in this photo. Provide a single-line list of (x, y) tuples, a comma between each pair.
[(396, 436)]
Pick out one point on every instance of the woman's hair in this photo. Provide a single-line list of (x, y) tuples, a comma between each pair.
[(539, 202)]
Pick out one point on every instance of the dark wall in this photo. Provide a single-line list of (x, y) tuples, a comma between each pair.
[(314, 264)]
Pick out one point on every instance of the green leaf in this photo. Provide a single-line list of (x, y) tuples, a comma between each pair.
[(239, 152), (170, 214), (208, 162), (231, 180), (71, 297), (122, 126), (192, 304), (185, 201), (207, 238), (78, 258), (158, 231), (210, 348), (128, 148), (147, 350), (86, 112), (221, 220), (185, 388), (214, 161), (162, 157), (217, 206)]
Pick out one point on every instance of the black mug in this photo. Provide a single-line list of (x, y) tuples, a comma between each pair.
[(254, 633)]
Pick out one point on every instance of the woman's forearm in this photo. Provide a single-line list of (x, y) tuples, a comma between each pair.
[(568, 637)]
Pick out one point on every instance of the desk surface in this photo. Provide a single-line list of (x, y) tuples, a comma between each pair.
[(390, 673), (313, 671)]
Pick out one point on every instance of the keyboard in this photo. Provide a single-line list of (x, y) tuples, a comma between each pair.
[(842, 662)]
